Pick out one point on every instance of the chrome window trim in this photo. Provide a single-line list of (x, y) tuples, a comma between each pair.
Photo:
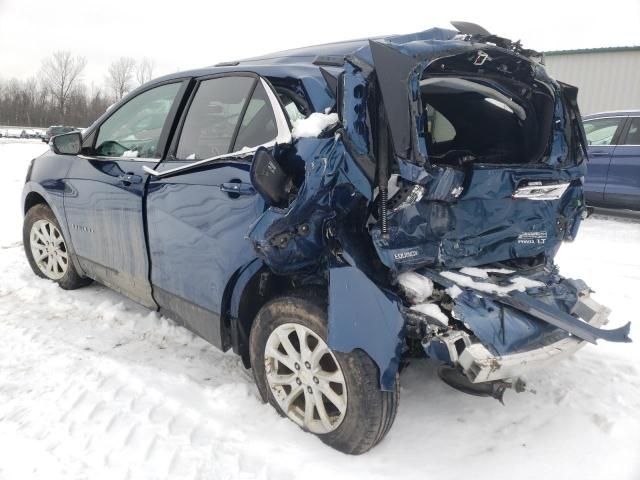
[(132, 159), (283, 136), (584, 120)]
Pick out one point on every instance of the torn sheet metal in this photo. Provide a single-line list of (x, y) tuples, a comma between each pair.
[(507, 322), (295, 239), (362, 316), (485, 224), (445, 213)]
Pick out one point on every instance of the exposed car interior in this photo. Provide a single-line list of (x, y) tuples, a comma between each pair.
[(472, 121)]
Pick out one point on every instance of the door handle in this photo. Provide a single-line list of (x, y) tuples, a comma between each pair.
[(238, 188), (599, 154), (130, 178)]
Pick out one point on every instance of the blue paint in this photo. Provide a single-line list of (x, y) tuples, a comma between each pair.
[(196, 232), (485, 224), (363, 316)]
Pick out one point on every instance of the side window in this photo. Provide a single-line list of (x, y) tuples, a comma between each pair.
[(602, 131), (292, 110), (134, 129), (213, 116), (633, 135), (439, 128), (258, 124), (215, 111)]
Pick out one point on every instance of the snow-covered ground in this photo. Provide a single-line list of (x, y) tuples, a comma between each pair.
[(94, 386)]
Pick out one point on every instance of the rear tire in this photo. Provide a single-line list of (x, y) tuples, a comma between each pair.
[(47, 250), (368, 412)]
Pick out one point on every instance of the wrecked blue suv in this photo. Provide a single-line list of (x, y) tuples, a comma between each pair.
[(331, 211)]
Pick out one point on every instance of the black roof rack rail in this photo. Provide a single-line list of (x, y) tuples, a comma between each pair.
[(329, 60), (227, 64)]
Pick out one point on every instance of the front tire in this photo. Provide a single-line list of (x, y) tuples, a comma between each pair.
[(47, 250), (334, 395)]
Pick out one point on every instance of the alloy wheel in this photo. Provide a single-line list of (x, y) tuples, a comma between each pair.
[(305, 378), (48, 249)]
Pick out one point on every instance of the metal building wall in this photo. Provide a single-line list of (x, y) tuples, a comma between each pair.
[(607, 80)]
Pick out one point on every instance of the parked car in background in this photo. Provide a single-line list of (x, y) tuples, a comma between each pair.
[(15, 133), (57, 130), (613, 172), (32, 133)]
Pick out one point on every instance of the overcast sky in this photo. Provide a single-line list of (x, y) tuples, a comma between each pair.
[(183, 34)]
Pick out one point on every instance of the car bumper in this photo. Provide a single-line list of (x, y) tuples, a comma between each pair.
[(480, 365)]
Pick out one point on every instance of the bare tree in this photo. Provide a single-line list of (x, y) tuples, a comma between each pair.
[(60, 74), (30, 103), (120, 75), (144, 70)]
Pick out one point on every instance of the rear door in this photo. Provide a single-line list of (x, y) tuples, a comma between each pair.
[(105, 190), (623, 181), (602, 136), (201, 206)]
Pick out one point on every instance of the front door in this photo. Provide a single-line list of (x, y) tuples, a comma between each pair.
[(623, 182), (199, 215), (602, 135), (105, 190)]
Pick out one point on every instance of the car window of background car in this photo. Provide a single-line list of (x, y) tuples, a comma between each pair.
[(134, 129), (212, 118), (258, 124), (601, 131), (633, 135)]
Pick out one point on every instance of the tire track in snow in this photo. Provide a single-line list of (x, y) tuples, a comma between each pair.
[(115, 421)]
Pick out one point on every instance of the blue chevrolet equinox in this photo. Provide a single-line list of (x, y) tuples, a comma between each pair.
[(331, 211)]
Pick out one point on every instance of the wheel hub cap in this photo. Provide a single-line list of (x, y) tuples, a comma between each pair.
[(305, 378)]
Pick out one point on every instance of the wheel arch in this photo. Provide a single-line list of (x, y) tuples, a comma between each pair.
[(247, 292), (351, 296), (34, 194), (31, 200)]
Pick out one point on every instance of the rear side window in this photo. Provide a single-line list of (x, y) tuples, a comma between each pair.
[(602, 131), (226, 115), (212, 118), (439, 127), (633, 135), (134, 129), (258, 124)]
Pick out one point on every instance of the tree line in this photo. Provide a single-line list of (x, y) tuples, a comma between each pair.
[(58, 95)]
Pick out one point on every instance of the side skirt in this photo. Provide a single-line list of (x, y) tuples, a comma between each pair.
[(202, 322)]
